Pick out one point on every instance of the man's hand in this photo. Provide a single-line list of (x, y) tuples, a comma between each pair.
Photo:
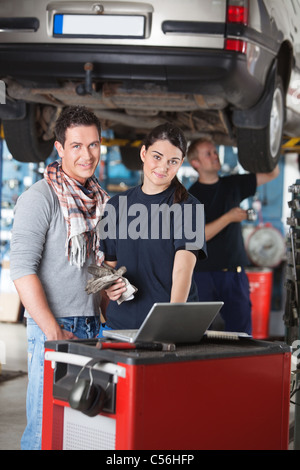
[(33, 298), (233, 215), (60, 334), (237, 214)]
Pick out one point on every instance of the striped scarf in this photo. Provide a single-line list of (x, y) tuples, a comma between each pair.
[(82, 209)]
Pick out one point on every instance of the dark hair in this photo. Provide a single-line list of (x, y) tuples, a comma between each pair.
[(74, 116), (177, 138)]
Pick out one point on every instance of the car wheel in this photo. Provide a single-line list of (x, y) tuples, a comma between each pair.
[(131, 158), (30, 139), (259, 149)]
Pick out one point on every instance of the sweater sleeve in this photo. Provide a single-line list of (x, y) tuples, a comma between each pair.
[(31, 221)]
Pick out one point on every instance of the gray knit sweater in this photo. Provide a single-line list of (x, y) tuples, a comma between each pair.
[(38, 247)]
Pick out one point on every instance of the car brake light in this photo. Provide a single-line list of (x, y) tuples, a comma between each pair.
[(236, 45), (237, 11)]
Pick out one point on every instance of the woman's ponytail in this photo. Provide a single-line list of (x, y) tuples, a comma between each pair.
[(181, 193)]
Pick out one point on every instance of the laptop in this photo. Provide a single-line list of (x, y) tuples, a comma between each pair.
[(171, 323)]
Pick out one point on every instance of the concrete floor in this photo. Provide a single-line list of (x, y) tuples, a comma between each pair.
[(13, 392)]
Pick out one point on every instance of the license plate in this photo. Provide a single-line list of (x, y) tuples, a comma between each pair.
[(112, 26)]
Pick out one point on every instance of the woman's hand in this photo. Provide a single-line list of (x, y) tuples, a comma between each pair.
[(115, 291)]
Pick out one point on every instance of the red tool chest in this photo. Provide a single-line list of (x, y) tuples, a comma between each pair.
[(215, 395)]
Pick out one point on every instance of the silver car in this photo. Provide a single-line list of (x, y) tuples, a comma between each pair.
[(229, 69)]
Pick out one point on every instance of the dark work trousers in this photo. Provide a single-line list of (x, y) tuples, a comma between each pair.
[(233, 289)]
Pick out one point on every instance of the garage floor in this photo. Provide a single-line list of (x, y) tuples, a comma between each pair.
[(13, 392)]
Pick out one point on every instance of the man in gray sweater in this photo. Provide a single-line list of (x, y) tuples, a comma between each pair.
[(55, 238)]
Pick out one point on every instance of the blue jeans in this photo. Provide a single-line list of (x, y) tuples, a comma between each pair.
[(83, 328)]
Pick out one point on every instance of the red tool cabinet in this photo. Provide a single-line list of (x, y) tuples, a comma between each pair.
[(215, 395)]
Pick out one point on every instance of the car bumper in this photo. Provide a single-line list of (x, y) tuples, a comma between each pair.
[(210, 72)]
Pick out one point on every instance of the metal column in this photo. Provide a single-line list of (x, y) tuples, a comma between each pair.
[(292, 312), (1, 177)]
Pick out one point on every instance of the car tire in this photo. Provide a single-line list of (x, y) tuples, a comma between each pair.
[(131, 158), (259, 149), (24, 137)]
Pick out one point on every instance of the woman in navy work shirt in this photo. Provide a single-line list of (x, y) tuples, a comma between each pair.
[(156, 231)]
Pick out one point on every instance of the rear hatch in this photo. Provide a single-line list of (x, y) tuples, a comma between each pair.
[(171, 23)]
